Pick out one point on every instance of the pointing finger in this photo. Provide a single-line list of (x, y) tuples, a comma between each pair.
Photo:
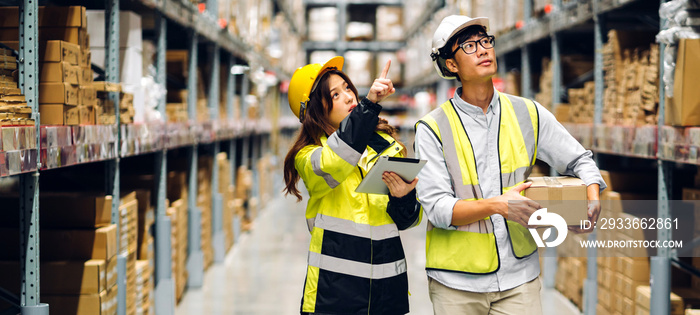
[(386, 69)]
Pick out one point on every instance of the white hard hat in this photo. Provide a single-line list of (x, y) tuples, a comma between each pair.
[(449, 27)]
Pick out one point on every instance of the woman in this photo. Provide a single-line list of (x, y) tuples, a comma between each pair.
[(356, 263)]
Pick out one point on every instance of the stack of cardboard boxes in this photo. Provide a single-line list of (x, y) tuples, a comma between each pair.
[(13, 106), (624, 273), (78, 253), (582, 103), (642, 302), (130, 60), (631, 65), (142, 186), (389, 25), (177, 67), (204, 204), (544, 96), (571, 270), (580, 108), (144, 287), (227, 190), (66, 96), (682, 108), (105, 113), (128, 216), (177, 211), (244, 183)]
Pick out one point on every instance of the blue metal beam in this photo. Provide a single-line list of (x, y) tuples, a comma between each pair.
[(195, 258), (30, 300), (164, 284), (112, 176), (217, 217)]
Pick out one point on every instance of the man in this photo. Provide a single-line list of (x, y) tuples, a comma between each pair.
[(481, 146)]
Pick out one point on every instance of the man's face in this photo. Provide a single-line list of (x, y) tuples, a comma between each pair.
[(480, 65)]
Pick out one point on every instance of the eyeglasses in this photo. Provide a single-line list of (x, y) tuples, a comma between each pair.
[(469, 47)]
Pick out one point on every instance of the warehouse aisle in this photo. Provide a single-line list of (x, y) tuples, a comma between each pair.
[(264, 273)]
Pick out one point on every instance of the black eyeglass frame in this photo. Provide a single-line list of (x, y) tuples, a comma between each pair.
[(492, 40)]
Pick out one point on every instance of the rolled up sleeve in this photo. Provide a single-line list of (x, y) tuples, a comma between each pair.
[(434, 187)]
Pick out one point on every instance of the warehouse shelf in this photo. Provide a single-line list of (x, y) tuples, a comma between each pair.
[(187, 15), (18, 150), (353, 2), (56, 147), (567, 17)]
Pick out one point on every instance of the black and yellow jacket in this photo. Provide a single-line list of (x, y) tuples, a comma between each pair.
[(356, 262)]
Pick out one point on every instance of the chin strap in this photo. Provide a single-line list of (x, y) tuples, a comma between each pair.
[(302, 111)]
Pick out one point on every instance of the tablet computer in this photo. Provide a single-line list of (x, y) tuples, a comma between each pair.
[(407, 168)]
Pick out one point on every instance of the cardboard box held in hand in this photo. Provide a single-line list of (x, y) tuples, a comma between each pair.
[(565, 196)]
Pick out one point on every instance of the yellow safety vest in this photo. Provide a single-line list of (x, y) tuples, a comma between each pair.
[(472, 248), (356, 261)]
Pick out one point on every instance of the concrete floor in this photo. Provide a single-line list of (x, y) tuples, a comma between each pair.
[(264, 273)]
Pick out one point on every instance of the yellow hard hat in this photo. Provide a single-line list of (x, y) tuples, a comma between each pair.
[(304, 82)]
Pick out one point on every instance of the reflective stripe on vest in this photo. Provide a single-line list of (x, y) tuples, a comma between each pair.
[(324, 224), (518, 132)]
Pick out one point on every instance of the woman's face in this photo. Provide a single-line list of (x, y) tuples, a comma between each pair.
[(344, 100)]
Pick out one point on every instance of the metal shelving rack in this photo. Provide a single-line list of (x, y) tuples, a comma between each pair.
[(248, 132), (341, 45), (551, 26)]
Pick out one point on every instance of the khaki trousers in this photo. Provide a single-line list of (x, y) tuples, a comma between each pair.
[(524, 299)]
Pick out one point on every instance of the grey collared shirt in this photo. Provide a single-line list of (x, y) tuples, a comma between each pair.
[(556, 147)]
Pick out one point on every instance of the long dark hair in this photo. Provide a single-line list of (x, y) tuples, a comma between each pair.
[(316, 123)]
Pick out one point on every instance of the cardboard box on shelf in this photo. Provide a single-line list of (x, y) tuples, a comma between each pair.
[(85, 304), (86, 115), (643, 300), (54, 114), (604, 297), (323, 25), (628, 287), (58, 93), (70, 277), (85, 76), (177, 63), (102, 86), (73, 244), (58, 51), (565, 196), (85, 57), (61, 277), (636, 269), (65, 209), (684, 108), (389, 23), (112, 272), (87, 95), (72, 116), (562, 112), (59, 72)]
